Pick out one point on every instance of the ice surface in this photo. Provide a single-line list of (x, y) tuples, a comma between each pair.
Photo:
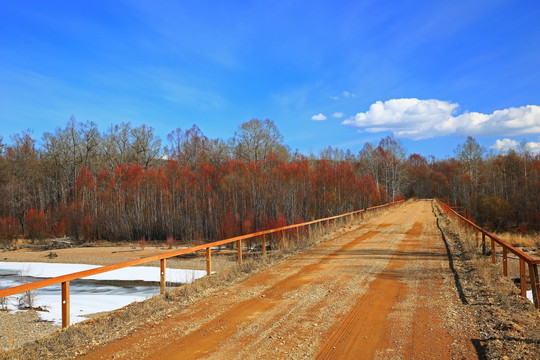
[(103, 292)]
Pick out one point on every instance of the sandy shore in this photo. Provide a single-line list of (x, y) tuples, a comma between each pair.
[(116, 254)]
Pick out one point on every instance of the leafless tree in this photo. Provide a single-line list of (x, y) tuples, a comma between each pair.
[(146, 146), (256, 139)]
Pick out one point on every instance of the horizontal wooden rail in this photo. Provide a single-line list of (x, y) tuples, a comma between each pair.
[(523, 258), (65, 279), (461, 208)]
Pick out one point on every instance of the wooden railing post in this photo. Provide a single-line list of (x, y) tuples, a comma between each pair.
[(522, 279), (297, 235), (65, 304), (483, 243), (264, 245), (493, 260), (162, 267), (208, 261), (533, 271), (239, 245), (309, 231), (505, 261), (476, 237)]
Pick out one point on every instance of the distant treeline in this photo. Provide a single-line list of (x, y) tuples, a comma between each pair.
[(122, 184)]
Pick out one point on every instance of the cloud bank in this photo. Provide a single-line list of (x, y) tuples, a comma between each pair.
[(505, 145), (421, 119)]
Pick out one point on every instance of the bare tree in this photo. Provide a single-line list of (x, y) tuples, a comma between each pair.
[(256, 139), (369, 161), (22, 190), (470, 157), (332, 154), (189, 147), (146, 146), (65, 152), (116, 146), (395, 173)]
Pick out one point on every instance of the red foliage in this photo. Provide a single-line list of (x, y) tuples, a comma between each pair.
[(103, 178), (87, 228), (280, 220), (230, 226), (85, 180), (59, 228), (35, 224), (536, 220), (142, 242), (9, 228)]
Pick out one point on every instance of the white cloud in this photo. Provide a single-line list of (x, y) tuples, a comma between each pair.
[(508, 144), (338, 115), (318, 117), (533, 147), (505, 145), (345, 94), (421, 119)]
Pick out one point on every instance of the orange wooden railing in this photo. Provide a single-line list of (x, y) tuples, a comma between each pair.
[(494, 240), (65, 279)]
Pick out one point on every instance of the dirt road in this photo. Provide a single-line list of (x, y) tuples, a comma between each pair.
[(382, 291)]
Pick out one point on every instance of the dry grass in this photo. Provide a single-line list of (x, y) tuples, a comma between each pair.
[(472, 249), (521, 240), (488, 272), (508, 323)]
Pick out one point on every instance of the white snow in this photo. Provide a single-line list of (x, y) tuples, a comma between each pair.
[(84, 304), (88, 298), (143, 273), (529, 296)]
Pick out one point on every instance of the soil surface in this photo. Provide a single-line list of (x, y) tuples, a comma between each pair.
[(106, 255), (384, 290)]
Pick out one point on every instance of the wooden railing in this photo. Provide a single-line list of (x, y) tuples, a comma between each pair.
[(65, 279), (494, 240)]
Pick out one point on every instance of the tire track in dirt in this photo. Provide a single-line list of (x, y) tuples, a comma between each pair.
[(153, 336), (413, 280), (198, 343), (349, 297), (292, 332), (361, 330)]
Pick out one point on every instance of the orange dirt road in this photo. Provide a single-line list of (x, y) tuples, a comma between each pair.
[(383, 290)]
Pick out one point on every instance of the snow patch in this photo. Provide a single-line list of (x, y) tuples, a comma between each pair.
[(95, 293)]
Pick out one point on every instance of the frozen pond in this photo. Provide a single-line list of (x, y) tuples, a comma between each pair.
[(103, 292)]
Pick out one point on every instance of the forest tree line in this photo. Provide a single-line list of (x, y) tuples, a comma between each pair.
[(124, 184)]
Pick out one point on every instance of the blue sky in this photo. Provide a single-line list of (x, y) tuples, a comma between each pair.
[(337, 73)]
